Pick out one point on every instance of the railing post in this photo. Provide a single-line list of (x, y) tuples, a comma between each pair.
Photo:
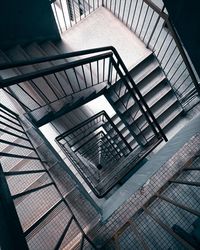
[(11, 236)]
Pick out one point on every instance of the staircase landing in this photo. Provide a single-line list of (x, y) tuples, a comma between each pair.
[(102, 28)]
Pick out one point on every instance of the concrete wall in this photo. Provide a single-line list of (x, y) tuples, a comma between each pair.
[(185, 16), (25, 21)]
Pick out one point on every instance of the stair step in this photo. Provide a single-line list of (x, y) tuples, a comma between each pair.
[(163, 112), (6, 73), (155, 93), (164, 123), (64, 86), (159, 108), (144, 69), (145, 79), (19, 54), (151, 82), (34, 51), (162, 91), (51, 50), (175, 114), (140, 63), (115, 119), (139, 73)]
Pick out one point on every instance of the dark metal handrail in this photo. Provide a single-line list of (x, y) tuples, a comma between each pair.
[(54, 69), (56, 57), (101, 113), (139, 99)]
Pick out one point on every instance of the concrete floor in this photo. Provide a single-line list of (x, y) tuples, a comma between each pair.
[(101, 28)]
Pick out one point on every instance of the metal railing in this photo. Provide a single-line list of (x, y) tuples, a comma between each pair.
[(25, 181), (95, 144), (70, 12), (43, 94), (152, 25), (100, 153), (78, 136)]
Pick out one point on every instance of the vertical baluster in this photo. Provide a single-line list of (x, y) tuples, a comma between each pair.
[(84, 8), (141, 7), (129, 12), (89, 5), (145, 16), (103, 69), (83, 71), (134, 14), (60, 84), (97, 71), (119, 8), (65, 72), (148, 26), (74, 11), (91, 74), (75, 73), (57, 18), (64, 18), (123, 11)]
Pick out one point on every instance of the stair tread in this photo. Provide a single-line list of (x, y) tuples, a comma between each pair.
[(51, 50), (6, 72), (166, 122), (142, 59), (144, 91), (161, 112), (152, 84), (144, 70), (171, 117)]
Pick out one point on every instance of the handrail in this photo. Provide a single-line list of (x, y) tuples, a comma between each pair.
[(54, 69), (138, 93), (7, 109), (59, 137), (91, 119), (124, 75), (11, 219), (176, 39), (56, 57), (99, 133)]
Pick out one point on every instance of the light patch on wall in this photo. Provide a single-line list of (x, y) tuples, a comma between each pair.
[(100, 104)]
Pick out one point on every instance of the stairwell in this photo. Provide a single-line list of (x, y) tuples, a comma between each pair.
[(66, 217)]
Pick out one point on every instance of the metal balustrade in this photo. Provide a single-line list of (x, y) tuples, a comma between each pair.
[(151, 23), (24, 186), (54, 87), (109, 69), (100, 153), (70, 12)]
